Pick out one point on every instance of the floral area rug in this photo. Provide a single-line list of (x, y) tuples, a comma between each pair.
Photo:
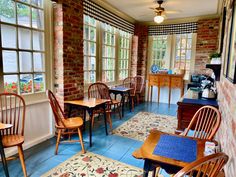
[(139, 126), (93, 165)]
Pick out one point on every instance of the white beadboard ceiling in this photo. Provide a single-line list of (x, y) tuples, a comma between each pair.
[(140, 9)]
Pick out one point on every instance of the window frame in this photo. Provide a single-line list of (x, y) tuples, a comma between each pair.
[(32, 98), (171, 53), (99, 57)]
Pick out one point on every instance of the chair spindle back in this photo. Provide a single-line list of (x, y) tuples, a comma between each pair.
[(12, 111), (205, 123), (139, 83), (56, 108), (130, 82), (99, 90), (208, 166)]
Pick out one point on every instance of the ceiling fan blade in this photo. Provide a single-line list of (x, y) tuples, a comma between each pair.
[(172, 11)]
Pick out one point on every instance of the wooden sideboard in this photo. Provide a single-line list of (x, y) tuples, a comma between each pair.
[(165, 80), (188, 106)]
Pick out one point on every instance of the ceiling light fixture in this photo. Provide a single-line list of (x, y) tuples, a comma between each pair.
[(158, 18)]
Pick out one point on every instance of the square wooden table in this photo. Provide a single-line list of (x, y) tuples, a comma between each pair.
[(151, 161), (121, 90), (89, 105)]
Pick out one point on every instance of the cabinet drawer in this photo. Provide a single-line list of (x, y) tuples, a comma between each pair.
[(164, 81), (176, 82)]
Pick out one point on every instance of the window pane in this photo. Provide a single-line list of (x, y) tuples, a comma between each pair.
[(86, 63), (38, 40), (9, 61), (38, 3), (25, 61), (86, 32), (93, 34), (92, 75), (8, 34), (188, 54), (183, 43), (39, 82), (189, 45), (37, 18), (24, 38), (7, 11), (92, 49), (92, 63), (23, 14), (38, 62), (10, 83), (25, 83)]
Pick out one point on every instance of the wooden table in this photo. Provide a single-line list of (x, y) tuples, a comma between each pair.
[(120, 90), (171, 166), (89, 105), (188, 106), (4, 162), (165, 80)]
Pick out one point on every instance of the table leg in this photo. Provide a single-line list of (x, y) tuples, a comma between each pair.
[(146, 168), (105, 118), (70, 109), (123, 104), (84, 118), (4, 162), (130, 102), (90, 126)]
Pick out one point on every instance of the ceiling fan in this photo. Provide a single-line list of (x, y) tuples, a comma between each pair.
[(160, 12)]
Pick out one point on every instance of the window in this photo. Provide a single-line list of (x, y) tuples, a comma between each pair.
[(159, 50), (90, 39), (183, 52), (22, 46), (175, 52), (108, 53), (124, 54)]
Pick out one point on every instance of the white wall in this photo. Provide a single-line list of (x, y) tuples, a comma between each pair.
[(38, 125)]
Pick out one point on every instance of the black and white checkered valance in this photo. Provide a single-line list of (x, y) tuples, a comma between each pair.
[(181, 28), (99, 13)]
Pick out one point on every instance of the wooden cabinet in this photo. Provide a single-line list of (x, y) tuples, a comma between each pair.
[(165, 80), (188, 106)]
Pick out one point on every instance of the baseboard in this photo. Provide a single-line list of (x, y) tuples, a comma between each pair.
[(27, 145)]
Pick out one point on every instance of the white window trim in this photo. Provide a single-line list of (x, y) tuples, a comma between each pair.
[(36, 98), (99, 44)]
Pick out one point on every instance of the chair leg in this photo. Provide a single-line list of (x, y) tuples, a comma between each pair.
[(132, 103), (138, 99), (109, 119), (22, 159), (58, 140), (92, 119), (119, 111), (81, 140)]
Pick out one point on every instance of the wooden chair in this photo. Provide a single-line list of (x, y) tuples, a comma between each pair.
[(12, 111), (204, 123), (65, 126), (101, 91), (130, 83), (209, 166), (139, 87)]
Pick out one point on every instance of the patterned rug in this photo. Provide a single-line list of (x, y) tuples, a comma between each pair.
[(139, 126), (90, 164)]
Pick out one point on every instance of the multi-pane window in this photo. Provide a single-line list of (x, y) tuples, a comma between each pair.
[(159, 47), (22, 46), (108, 53), (90, 39), (124, 54), (183, 52)]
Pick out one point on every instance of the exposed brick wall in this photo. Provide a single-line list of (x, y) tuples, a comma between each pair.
[(227, 103), (134, 56), (207, 42), (142, 32), (68, 52)]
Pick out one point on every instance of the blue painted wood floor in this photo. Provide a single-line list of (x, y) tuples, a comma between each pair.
[(40, 158)]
